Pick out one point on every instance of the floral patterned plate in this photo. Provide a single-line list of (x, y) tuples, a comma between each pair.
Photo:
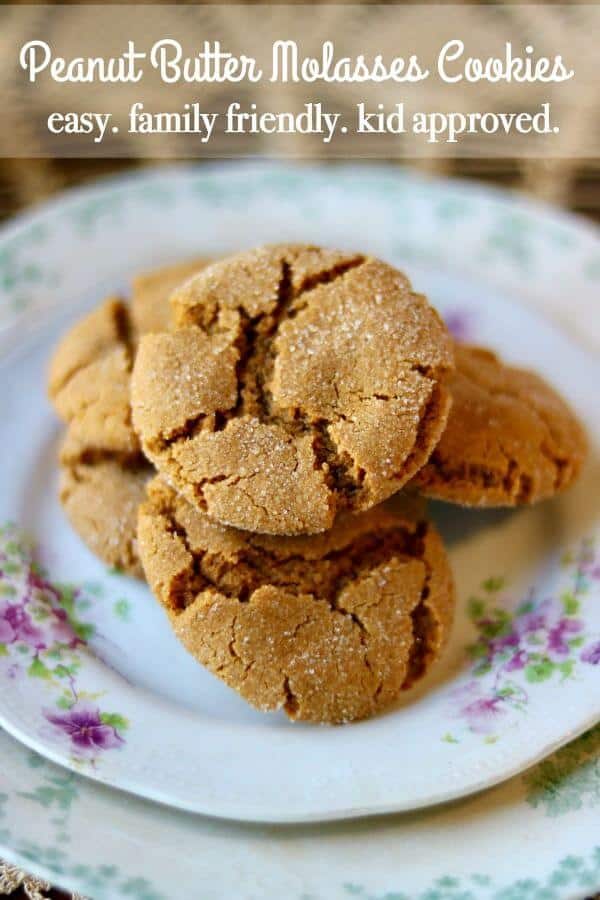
[(92, 677), (533, 838)]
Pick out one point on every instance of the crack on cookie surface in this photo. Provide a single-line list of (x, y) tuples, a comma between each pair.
[(291, 704), (256, 362), (255, 340), (125, 331), (517, 485), (92, 456), (423, 628), (191, 427), (560, 462), (557, 460), (338, 465), (245, 307), (255, 566), (327, 629)]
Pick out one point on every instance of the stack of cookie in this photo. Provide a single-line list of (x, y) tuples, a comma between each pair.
[(241, 444)]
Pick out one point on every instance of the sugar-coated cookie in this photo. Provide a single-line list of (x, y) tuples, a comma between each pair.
[(150, 292), (89, 380), (101, 499), (510, 438), (329, 628), (103, 471), (296, 382)]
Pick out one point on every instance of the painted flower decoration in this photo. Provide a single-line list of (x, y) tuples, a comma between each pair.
[(42, 635), (558, 636), (61, 629), (16, 625), (591, 654), (480, 712), (521, 645), (86, 728)]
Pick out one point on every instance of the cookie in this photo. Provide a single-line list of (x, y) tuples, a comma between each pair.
[(89, 378), (103, 471), (101, 500), (330, 628), (510, 438), (296, 383), (151, 290)]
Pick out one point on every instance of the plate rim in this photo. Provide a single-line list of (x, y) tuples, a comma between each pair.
[(119, 181), (488, 810), (476, 188)]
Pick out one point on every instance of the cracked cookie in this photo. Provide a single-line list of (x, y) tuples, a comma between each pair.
[(296, 382), (151, 290), (89, 377), (510, 438), (101, 498), (328, 627), (103, 471)]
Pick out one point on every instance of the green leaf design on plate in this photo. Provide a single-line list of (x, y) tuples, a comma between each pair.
[(568, 780), (122, 609), (540, 671), (37, 669), (119, 723)]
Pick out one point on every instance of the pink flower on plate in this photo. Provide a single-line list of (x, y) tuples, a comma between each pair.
[(536, 620), (506, 642), (481, 711), (559, 634), (517, 662), (61, 629), (591, 654), (16, 625), (482, 715), (85, 728)]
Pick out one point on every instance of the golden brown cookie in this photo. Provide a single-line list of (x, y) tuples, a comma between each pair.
[(150, 291), (89, 380), (297, 382), (103, 471), (510, 437), (90, 369), (101, 499), (330, 627)]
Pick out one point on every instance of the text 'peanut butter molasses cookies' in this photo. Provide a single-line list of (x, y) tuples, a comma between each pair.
[(103, 471), (328, 627), (296, 382), (510, 438)]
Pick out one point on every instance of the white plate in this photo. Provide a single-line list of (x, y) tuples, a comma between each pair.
[(534, 838), (148, 719)]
